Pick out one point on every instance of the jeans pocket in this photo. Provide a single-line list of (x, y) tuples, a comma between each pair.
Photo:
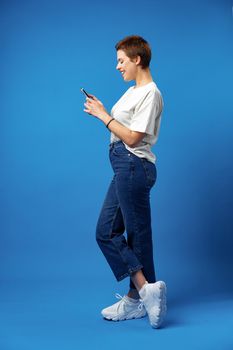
[(150, 171), (120, 151)]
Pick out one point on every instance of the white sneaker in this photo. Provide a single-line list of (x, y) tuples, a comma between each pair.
[(125, 309), (153, 297)]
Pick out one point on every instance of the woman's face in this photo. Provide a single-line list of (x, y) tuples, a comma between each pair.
[(127, 67)]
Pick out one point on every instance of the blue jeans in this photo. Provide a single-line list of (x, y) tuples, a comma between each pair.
[(127, 208)]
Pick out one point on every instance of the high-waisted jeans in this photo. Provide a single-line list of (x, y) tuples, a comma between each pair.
[(127, 208)]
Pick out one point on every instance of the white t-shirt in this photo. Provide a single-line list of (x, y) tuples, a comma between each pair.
[(140, 109)]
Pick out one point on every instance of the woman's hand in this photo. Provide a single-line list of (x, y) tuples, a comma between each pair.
[(95, 107)]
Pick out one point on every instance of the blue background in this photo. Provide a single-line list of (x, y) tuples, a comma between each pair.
[(55, 172)]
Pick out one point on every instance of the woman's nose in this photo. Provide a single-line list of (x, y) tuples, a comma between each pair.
[(118, 65)]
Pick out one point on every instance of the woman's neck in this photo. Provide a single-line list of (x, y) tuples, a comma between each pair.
[(143, 77)]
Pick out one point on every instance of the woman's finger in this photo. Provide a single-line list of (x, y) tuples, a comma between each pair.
[(89, 101), (93, 97), (87, 110), (87, 104)]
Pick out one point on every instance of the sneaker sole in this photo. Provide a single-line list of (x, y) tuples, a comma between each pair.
[(123, 319), (163, 307)]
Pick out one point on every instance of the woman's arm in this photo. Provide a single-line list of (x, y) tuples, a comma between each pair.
[(131, 138), (96, 108)]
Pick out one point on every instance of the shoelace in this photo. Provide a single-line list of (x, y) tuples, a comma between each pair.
[(140, 306)]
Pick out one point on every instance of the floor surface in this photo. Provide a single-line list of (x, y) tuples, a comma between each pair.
[(61, 315)]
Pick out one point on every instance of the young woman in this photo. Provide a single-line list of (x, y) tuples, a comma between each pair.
[(134, 124)]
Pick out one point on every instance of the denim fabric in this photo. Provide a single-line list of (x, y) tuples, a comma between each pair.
[(126, 207)]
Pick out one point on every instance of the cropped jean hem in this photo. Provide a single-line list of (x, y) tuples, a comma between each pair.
[(131, 271)]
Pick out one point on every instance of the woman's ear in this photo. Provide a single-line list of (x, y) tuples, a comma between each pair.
[(138, 60)]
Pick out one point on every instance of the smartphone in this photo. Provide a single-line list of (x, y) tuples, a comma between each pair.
[(85, 93)]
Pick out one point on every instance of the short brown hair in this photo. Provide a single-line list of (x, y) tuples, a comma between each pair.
[(135, 45)]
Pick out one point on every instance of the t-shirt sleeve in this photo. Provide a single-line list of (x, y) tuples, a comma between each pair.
[(146, 113)]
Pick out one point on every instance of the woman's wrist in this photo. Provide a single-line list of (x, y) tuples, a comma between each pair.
[(109, 123), (106, 118)]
